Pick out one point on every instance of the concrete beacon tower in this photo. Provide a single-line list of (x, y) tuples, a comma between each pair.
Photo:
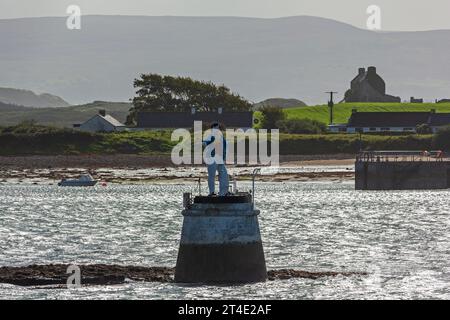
[(220, 241)]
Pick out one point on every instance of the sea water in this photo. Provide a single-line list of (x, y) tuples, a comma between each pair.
[(400, 238)]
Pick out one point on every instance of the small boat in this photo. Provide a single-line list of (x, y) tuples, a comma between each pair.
[(85, 180)]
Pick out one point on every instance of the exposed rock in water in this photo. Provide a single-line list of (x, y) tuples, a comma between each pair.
[(99, 274), (55, 275), (285, 274)]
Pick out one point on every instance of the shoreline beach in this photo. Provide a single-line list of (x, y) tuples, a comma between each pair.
[(142, 161), (159, 169)]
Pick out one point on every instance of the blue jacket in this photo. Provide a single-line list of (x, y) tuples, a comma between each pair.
[(213, 152)]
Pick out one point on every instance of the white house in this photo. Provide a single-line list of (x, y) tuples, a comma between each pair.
[(338, 128), (101, 122)]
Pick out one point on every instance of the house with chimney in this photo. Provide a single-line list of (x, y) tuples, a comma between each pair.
[(101, 122), (368, 86)]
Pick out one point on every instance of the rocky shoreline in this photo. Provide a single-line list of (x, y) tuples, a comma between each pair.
[(117, 161), (55, 275), (163, 175)]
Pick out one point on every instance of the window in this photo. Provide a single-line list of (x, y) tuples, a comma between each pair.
[(385, 129), (373, 129), (408, 129)]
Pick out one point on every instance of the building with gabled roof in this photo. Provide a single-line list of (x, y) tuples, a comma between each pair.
[(386, 121), (101, 122), (439, 120), (368, 86), (164, 120)]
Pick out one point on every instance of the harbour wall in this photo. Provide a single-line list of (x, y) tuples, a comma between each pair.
[(402, 175)]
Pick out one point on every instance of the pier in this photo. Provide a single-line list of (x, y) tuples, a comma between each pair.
[(402, 170)]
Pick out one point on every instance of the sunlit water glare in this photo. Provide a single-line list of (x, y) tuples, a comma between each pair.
[(401, 238)]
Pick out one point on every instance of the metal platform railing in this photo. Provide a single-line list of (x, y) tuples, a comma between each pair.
[(409, 156)]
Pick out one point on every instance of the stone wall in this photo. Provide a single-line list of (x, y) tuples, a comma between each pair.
[(402, 175)]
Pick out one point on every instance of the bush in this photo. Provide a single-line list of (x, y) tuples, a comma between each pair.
[(301, 126), (270, 116), (423, 129), (441, 140), (28, 138), (291, 144)]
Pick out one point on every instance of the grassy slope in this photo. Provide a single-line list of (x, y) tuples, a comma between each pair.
[(40, 140), (343, 111), (26, 140), (64, 116), (280, 102)]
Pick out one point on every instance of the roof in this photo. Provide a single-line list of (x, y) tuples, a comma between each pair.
[(440, 119), (186, 119), (388, 119), (114, 122)]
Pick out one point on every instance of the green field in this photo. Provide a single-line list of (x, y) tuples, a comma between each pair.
[(343, 111)]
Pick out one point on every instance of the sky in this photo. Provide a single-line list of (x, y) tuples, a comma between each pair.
[(398, 15)]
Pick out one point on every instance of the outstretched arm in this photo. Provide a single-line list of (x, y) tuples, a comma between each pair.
[(208, 141)]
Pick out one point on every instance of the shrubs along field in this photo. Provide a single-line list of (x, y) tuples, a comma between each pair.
[(31, 139)]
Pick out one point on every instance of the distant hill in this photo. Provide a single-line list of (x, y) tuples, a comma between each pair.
[(255, 57), (280, 102), (62, 117), (28, 98), (4, 107)]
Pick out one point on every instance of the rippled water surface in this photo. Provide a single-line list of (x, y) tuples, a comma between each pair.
[(401, 238)]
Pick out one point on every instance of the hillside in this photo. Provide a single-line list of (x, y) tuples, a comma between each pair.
[(257, 58), (28, 98), (343, 111), (62, 117), (279, 102)]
